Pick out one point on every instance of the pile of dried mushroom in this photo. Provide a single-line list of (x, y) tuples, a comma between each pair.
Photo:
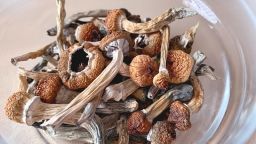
[(112, 79)]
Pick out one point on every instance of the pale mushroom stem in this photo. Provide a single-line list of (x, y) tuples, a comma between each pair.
[(32, 55), (34, 75), (90, 92), (77, 16), (161, 80), (158, 106), (96, 129), (189, 35), (124, 70), (122, 131), (196, 102), (23, 86), (60, 24), (51, 60), (120, 91), (157, 23)]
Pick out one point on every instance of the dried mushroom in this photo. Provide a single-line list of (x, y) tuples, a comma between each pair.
[(180, 115), (87, 32), (48, 88), (179, 65), (78, 68), (185, 41), (163, 132), (142, 70), (116, 20), (161, 80)]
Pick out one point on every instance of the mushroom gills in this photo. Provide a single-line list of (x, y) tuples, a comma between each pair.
[(79, 60)]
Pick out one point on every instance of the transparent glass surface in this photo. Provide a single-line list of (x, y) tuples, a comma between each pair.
[(228, 114)]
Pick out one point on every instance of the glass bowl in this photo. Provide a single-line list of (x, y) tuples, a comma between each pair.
[(229, 111)]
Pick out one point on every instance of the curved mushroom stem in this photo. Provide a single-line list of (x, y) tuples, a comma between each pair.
[(32, 55), (96, 129), (91, 91), (188, 36), (120, 91), (161, 80), (118, 107), (122, 131), (23, 86), (60, 24), (158, 106), (157, 23), (196, 102), (34, 75), (77, 16)]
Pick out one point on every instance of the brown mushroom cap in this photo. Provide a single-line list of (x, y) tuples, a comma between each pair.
[(137, 123), (163, 132), (179, 65), (14, 106), (180, 115), (76, 80), (48, 88), (87, 32), (154, 46), (142, 70), (113, 20), (114, 36), (161, 80)]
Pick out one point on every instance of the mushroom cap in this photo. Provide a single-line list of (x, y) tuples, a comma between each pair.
[(142, 70), (15, 105), (179, 65), (113, 20), (87, 32), (77, 80), (114, 36), (48, 88), (180, 115), (154, 46), (163, 132), (137, 123), (161, 80)]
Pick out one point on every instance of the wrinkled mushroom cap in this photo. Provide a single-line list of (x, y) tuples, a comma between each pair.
[(113, 20), (137, 123), (161, 80), (48, 88), (77, 80), (142, 70), (163, 132), (87, 32), (15, 105), (154, 46), (179, 65), (180, 115)]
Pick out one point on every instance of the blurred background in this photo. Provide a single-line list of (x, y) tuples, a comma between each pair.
[(23, 25)]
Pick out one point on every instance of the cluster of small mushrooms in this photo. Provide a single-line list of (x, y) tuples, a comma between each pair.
[(114, 78)]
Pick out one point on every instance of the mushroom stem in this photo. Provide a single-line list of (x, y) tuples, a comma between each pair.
[(23, 86), (77, 16), (96, 129), (158, 106), (161, 80), (117, 107), (34, 75), (157, 23), (120, 91), (51, 60), (188, 36), (124, 70), (196, 102), (122, 131), (32, 55), (60, 24), (91, 91)]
